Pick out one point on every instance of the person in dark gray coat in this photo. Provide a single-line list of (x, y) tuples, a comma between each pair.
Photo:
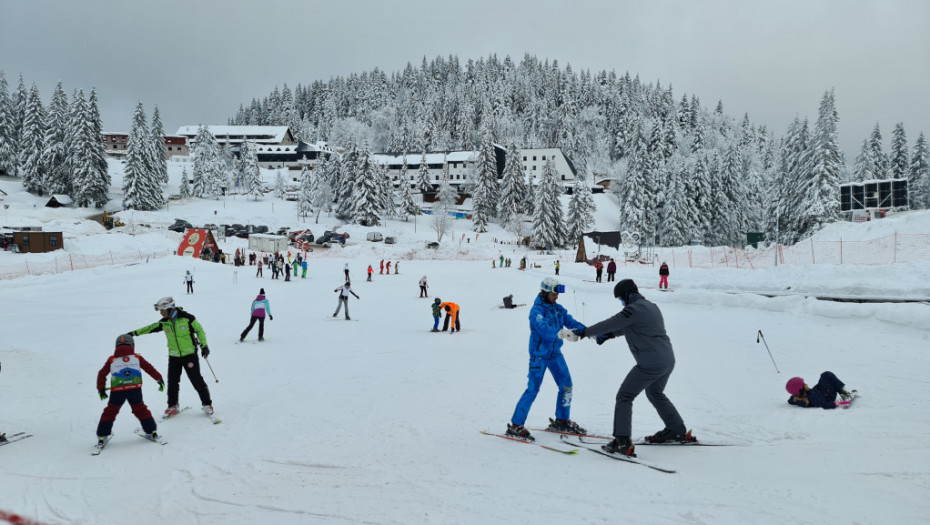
[(642, 324)]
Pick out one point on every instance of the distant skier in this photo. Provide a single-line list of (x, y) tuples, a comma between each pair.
[(663, 275), (344, 292), (437, 313), (823, 395), (180, 330), (550, 324), (125, 368), (388, 267), (558, 266), (641, 322), (260, 307), (189, 279), (508, 302), (396, 267), (345, 268), (452, 314), (611, 270), (370, 271), (598, 270), (303, 269), (423, 286), (381, 271)]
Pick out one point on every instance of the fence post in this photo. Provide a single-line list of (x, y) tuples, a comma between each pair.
[(71, 262), (111, 257), (813, 259), (27, 268), (841, 250)]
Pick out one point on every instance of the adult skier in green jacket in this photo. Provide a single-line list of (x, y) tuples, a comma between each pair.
[(183, 334)]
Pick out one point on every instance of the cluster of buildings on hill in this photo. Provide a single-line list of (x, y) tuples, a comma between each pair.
[(276, 148)]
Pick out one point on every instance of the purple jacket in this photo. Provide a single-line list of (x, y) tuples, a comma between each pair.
[(260, 306)]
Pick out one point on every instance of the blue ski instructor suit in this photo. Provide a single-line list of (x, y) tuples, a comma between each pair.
[(546, 354)]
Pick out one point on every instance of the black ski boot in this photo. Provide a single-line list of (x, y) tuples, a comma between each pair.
[(519, 432), (667, 435), (566, 426), (847, 395), (620, 445)]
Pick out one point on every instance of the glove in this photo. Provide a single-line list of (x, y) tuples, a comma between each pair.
[(579, 332), (103, 394), (270, 317), (568, 335), (205, 351), (161, 386), (603, 337)]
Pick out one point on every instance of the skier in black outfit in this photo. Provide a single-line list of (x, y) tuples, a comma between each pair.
[(642, 324)]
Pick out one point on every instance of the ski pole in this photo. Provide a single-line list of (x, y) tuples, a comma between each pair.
[(211, 369), (762, 337)]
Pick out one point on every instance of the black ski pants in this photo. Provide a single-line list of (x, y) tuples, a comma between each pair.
[(261, 327), (191, 365)]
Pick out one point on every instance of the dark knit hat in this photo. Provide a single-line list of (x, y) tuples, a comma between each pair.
[(262, 291)]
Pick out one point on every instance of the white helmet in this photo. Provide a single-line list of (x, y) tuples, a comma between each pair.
[(165, 303), (551, 284)]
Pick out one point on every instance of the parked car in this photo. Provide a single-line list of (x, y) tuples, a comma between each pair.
[(233, 229), (330, 236), (390, 240), (374, 236), (209, 226), (283, 230), (259, 229), (180, 225)]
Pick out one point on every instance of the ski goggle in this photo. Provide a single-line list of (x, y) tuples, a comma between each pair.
[(559, 288)]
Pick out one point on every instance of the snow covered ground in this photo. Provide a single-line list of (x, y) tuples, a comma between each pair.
[(377, 421)]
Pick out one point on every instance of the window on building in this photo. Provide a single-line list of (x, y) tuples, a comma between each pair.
[(524, 158), (534, 168), (534, 159), (53, 240), (544, 157)]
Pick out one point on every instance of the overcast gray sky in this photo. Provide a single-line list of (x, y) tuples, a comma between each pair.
[(198, 60)]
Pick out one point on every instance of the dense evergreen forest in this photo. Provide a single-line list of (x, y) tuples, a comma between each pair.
[(680, 170)]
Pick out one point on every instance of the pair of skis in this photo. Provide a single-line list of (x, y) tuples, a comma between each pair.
[(98, 448), (595, 444), (215, 420), (13, 438)]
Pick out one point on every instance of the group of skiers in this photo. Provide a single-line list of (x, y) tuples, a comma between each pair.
[(184, 335), (381, 272), (641, 322), (453, 316)]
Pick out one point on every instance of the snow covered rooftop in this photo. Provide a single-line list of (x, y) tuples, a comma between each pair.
[(263, 134), (431, 158)]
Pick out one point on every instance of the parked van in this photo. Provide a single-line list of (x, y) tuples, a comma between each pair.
[(375, 236)]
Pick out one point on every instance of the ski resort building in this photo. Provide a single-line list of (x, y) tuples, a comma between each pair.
[(115, 145), (462, 163)]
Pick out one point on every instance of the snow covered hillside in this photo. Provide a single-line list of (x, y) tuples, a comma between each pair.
[(377, 420)]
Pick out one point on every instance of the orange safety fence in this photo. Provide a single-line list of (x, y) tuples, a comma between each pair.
[(68, 262)]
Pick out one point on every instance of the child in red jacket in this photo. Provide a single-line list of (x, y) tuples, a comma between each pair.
[(125, 370)]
